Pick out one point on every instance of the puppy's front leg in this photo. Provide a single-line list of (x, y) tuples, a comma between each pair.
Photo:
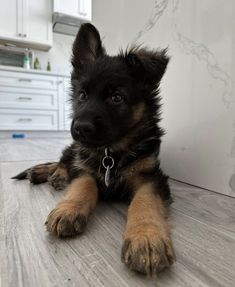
[(70, 216), (147, 245)]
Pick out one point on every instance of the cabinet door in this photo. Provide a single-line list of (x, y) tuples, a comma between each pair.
[(76, 8), (67, 7), (10, 18), (37, 21), (85, 9)]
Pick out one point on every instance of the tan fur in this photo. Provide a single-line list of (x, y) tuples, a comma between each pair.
[(123, 144), (138, 112), (84, 192), (61, 171), (48, 167), (41, 172), (59, 179), (131, 173), (70, 216), (147, 246)]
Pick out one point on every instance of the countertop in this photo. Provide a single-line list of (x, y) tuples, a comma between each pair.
[(32, 71)]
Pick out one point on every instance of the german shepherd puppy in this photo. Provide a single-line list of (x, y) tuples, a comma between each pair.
[(115, 149)]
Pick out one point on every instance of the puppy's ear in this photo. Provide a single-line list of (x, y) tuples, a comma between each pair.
[(87, 46), (147, 66)]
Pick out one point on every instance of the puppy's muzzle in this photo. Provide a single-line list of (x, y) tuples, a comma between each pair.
[(83, 130)]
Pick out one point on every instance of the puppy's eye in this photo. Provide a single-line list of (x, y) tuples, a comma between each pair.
[(82, 96), (117, 98)]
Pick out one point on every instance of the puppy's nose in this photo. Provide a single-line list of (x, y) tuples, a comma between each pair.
[(84, 129)]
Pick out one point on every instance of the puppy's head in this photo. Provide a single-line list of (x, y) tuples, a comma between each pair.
[(111, 94)]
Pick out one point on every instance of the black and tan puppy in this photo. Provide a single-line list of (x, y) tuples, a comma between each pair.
[(115, 150)]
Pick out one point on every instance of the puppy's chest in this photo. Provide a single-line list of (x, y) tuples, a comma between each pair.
[(114, 183), (117, 177), (113, 174)]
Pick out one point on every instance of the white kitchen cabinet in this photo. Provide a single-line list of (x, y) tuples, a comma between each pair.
[(37, 23), (12, 97), (76, 8), (11, 19), (33, 100), (27, 80), (19, 119), (26, 23)]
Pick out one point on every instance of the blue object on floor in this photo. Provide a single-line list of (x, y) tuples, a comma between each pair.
[(18, 136)]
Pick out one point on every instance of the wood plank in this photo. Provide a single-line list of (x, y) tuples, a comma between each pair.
[(206, 252), (215, 209), (31, 149)]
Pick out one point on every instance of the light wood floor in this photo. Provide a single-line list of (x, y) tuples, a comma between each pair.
[(203, 233)]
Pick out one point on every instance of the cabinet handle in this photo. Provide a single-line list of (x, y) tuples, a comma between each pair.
[(25, 36), (25, 99), (25, 120), (19, 34), (25, 80)]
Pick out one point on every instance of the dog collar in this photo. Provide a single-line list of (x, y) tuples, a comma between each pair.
[(108, 163)]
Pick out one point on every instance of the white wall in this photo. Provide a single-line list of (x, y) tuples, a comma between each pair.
[(59, 55), (198, 88), (108, 17)]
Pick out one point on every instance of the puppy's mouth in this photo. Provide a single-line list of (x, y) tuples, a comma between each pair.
[(92, 142), (96, 142)]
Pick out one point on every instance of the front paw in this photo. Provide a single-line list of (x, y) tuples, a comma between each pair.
[(147, 251), (65, 220)]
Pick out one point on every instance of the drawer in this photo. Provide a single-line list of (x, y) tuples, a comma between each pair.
[(27, 80), (13, 119), (28, 98)]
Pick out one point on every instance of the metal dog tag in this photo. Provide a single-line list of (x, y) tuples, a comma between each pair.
[(107, 176), (108, 163)]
